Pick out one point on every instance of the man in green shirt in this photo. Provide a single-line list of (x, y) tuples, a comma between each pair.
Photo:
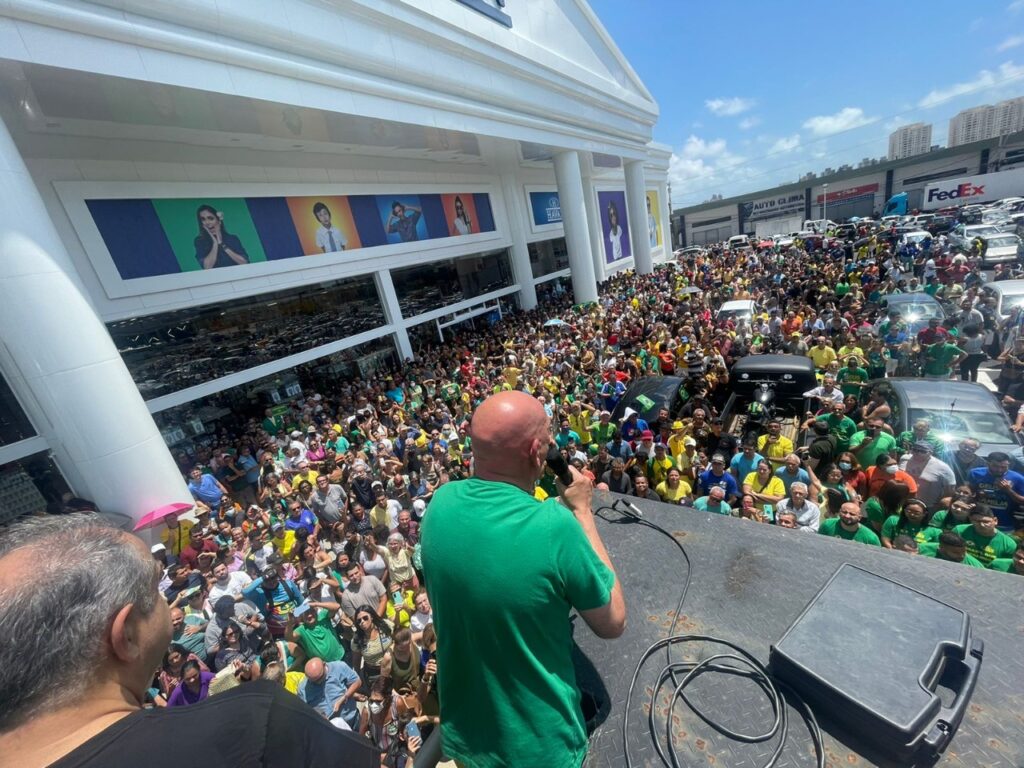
[(315, 635), (847, 526), (939, 359), (984, 541), (868, 444), (602, 431), (950, 547), (506, 681), (852, 377), (920, 430), (1013, 564), (841, 426)]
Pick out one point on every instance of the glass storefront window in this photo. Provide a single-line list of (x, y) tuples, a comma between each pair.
[(14, 424), (440, 283), (555, 290), (175, 350), (193, 429), (548, 256), (30, 486)]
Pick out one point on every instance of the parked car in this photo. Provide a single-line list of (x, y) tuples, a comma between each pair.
[(962, 235), (955, 409), (738, 241), (915, 237), (1009, 294), (739, 309), (1000, 248), (941, 224), (648, 395), (915, 309)]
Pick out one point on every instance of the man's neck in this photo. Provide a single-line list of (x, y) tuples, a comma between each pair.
[(50, 736)]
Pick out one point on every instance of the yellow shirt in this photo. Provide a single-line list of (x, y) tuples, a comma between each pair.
[(668, 494), (379, 516), (775, 451), (177, 539), (310, 474), (578, 423), (821, 357), (658, 470), (292, 681), (774, 487)]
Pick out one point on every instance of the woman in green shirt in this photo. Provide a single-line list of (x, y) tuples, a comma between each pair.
[(912, 521), (886, 503)]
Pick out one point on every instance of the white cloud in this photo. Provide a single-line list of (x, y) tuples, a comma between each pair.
[(1010, 42), (785, 144), (749, 122), (984, 80), (1015, 6), (726, 107), (843, 120), (703, 164), (896, 122)]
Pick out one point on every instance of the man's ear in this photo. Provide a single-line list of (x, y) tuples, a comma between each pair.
[(125, 640)]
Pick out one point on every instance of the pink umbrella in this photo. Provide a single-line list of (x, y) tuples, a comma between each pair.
[(157, 515)]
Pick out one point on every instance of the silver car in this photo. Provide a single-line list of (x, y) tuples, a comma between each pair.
[(1000, 248), (963, 235)]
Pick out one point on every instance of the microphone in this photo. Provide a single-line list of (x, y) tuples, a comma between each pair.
[(628, 508), (556, 461)]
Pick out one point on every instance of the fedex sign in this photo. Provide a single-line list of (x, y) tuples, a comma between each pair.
[(963, 190), (980, 188)]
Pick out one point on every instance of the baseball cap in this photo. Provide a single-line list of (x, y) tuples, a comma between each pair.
[(689, 441), (296, 434), (647, 435), (923, 445), (677, 425), (157, 548)]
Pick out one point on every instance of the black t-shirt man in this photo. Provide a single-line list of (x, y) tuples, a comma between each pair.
[(256, 724)]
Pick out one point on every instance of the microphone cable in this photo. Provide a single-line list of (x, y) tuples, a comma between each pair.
[(734, 661)]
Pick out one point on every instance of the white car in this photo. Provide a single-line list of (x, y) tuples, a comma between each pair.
[(738, 241), (737, 310), (915, 237), (963, 235), (1009, 294)]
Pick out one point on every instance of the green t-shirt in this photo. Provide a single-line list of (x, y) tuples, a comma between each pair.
[(938, 358), (842, 427), (339, 444), (987, 549), (320, 642), (508, 693), (1002, 564), (944, 521), (893, 527), (863, 534), (869, 452), (602, 433), (931, 549), (850, 378), (906, 440)]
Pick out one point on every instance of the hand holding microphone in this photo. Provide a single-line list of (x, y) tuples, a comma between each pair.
[(576, 489)]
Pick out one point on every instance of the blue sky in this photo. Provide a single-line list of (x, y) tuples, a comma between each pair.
[(754, 94)]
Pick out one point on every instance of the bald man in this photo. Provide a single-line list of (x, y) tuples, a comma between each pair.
[(503, 571), (331, 689)]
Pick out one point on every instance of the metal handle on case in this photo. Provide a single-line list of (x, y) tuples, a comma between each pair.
[(938, 738)]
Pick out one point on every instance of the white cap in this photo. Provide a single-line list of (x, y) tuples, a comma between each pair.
[(157, 548)]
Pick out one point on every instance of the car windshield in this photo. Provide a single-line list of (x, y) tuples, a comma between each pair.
[(1011, 301), (1010, 241), (955, 425), (986, 230), (913, 311)]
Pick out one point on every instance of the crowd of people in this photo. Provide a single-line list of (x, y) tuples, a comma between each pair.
[(302, 562)]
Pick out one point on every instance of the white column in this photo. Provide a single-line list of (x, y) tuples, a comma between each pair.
[(90, 410), (518, 222), (666, 221), (636, 203), (594, 220), (393, 312), (574, 223)]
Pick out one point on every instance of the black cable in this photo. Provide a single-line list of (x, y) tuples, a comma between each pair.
[(721, 663)]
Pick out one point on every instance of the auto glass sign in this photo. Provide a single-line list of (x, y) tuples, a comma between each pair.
[(771, 207)]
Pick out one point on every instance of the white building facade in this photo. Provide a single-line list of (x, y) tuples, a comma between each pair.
[(986, 121), (910, 140), (208, 201)]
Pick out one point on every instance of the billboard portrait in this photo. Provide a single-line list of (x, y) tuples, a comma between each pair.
[(614, 226), (210, 233), (323, 224), (402, 216), (653, 218), (460, 213)]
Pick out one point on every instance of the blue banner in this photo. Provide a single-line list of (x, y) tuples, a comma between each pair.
[(546, 207)]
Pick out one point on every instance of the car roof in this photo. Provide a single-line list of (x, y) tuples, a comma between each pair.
[(910, 298), (662, 390), (1008, 287), (780, 363), (737, 304), (933, 395)]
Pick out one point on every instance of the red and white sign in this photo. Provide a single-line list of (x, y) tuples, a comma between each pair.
[(848, 194)]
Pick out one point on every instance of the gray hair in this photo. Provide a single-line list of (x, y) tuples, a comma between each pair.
[(55, 614), (798, 486)]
